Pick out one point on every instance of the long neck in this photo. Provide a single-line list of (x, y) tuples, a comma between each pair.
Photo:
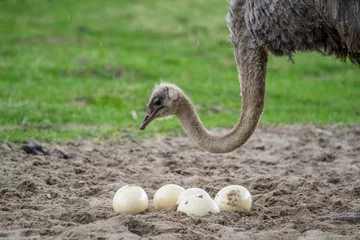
[(252, 68)]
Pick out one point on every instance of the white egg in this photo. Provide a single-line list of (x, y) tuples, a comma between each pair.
[(234, 198), (198, 205), (130, 200), (189, 192), (166, 196)]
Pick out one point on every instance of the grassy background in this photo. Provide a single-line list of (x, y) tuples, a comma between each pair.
[(80, 68)]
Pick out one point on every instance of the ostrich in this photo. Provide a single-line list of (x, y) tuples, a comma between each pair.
[(279, 27)]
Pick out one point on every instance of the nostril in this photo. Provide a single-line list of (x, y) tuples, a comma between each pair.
[(147, 117)]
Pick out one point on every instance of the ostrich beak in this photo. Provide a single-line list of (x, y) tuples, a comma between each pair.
[(149, 117)]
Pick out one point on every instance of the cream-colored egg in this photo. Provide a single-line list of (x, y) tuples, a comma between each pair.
[(166, 196), (189, 192), (198, 205), (130, 200), (234, 198)]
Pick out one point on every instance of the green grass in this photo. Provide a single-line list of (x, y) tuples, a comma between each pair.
[(93, 64)]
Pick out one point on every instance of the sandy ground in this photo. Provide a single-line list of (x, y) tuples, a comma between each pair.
[(299, 176)]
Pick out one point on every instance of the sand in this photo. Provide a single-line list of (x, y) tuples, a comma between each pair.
[(299, 176)]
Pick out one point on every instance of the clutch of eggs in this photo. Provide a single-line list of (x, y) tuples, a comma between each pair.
[(192, 201)]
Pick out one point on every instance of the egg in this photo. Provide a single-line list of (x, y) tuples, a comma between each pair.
[(130, 200), (189, 192), (234, 198), (166, 196), (198, 205)]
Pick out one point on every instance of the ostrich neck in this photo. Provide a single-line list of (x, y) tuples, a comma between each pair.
[(252, 69)]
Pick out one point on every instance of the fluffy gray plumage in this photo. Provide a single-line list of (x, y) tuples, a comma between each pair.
[(283, 27)]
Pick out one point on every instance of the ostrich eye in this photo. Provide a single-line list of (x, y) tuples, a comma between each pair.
[(157, 102)]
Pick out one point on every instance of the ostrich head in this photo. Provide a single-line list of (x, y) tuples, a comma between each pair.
[(162, 103)]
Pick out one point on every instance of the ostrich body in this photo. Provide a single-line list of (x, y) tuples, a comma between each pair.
[(280, 27)]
